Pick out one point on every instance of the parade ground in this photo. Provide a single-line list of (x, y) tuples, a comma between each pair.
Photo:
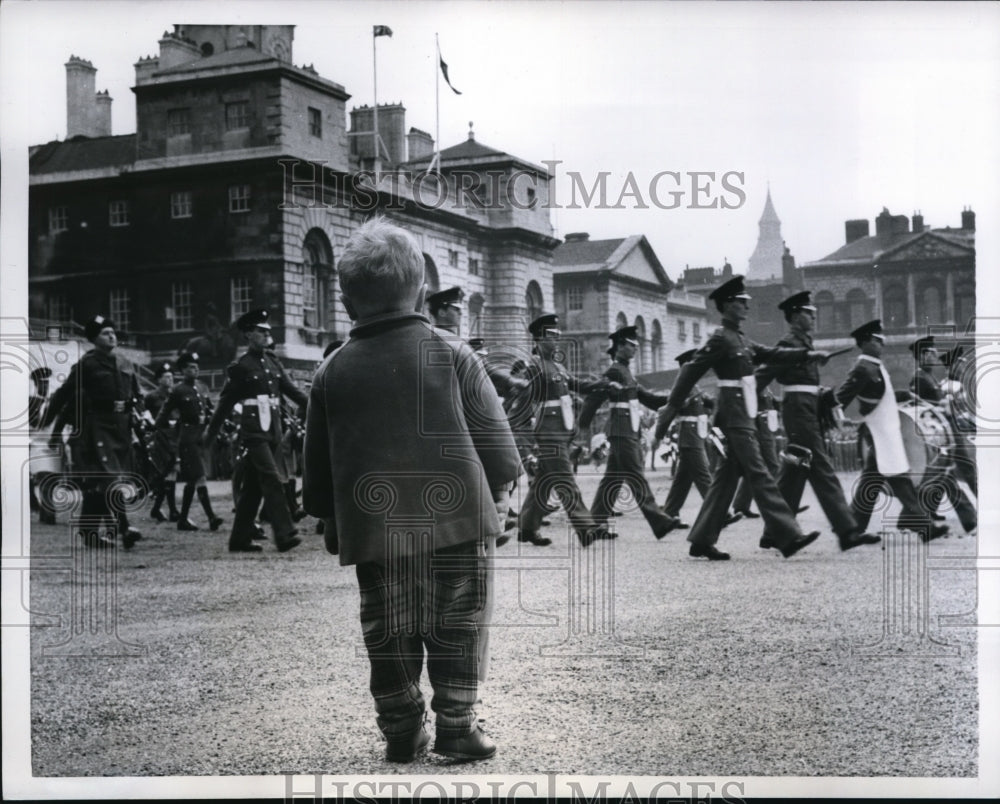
[(631, 658)]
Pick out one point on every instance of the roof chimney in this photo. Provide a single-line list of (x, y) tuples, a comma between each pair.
[(419, 144), (918, 222), (88, 113), (969, 220), (577, 237), (856, 229)]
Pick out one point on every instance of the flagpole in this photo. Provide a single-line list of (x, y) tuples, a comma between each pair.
[(436, 161), (375, 111)]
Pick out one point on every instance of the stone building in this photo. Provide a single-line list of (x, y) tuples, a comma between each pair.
[(916, 278), (601, 285), (239, 188)]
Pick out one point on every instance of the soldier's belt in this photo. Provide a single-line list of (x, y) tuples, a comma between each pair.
[(552, 403), (110, 405), (730, 383), (802, 389), (691, 419), (625, 405), (252, 401)]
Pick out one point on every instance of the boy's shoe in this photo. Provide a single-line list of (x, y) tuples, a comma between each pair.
[(405, 749), (474, 745)]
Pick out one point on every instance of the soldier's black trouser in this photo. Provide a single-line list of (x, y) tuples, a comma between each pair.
[(769, 452), (692, 467), (261, 477), (872, 482), (625, 467), (939, 483), (743, 457), (820, 474), (555, 473)]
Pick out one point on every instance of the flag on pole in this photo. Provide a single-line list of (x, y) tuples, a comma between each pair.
[(444, 72), (381, 30)]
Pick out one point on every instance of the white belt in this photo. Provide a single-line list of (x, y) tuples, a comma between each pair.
[(625, 405), (252, 401), (693, 419), (802, 389), (730, 383), (552, 403)]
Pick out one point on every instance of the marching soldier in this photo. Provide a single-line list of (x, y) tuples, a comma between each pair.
[(732, 356), (940, 478), (550, 384), (256, 380), (163, 449), (445, 308), (886, 463), (692, 459), (192, 408), (801, 403), (104, 388), (625, 461)]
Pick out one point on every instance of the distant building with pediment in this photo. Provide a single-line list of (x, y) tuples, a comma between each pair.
[(916, 278)]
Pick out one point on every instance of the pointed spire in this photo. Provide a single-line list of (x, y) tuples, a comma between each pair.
[(769, 215)]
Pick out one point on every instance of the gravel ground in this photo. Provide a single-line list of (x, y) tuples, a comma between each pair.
[(658, 665)]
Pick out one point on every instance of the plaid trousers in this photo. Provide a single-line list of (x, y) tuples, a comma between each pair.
[(433, 602)]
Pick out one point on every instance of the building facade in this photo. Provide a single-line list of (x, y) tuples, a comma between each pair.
[(916, 278), (239, 189)]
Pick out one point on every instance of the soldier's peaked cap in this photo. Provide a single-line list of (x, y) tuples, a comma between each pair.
[(729, 290), (546, 321), (918, 346), (252, 320), (797, 301), (865, 331), (448, 296), (187, 359), (96, 324), (625, 334), (684, 357)]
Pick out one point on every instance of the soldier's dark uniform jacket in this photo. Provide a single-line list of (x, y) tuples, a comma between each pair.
[(550, 384), (163, 449), (925, 386), (865, 384), (106, 389), (692, 420), (257, 382), (193, 409), (624, 415), (732, 355)]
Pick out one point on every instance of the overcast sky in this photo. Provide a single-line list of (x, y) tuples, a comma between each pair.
[(843, 108)]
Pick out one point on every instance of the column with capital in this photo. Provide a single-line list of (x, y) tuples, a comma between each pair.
[(911, 302), (949, 298)]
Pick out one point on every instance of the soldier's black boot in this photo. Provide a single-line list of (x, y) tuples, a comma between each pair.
[(129, 534), (186, 499), (214, 522), (170, 492)]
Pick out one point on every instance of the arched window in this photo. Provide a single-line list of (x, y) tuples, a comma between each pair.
[(431, 275), (621, 321), (857, 309), (965, 305), (825, 312), (894, 312), (476, 302), (641, 358), (533, 300), (317, 266), (930, 304), (656, 347)]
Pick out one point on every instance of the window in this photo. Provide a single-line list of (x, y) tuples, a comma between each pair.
[(119, 308), (315, 122), (58, 219), (180, 204), (930, 309), (965, 305), (825, 312), (180, 313), (240, 296), (453, 258), (857, 309), (317, 262), (310, 284), (894, 312), (574, 298), (682, 329), (474, 266), (239, 198), (118, 213), (59, 308), (237, 115), (696, 331), (178, 122)]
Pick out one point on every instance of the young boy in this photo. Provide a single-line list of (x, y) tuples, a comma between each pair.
[(408, 457)]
